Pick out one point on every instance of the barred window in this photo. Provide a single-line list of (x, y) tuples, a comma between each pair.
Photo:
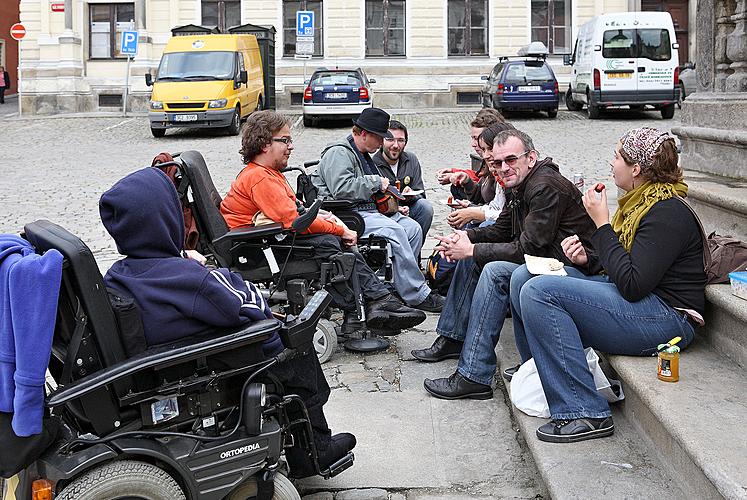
[(385, 28), (290, 7), (106, 24), (468, 27), (551, 24), (222, 14)]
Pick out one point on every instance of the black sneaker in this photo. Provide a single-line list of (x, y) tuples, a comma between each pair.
[(572, 431), (508, 373), (432, 303)]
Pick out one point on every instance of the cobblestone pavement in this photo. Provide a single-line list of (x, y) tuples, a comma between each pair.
[(411, 446)]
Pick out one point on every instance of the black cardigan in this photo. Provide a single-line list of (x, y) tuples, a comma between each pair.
[(666, 258)]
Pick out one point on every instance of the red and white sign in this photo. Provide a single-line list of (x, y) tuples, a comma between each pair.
[(57, 7), (17, 31)]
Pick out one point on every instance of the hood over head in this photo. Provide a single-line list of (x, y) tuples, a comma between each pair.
[(143, 214)]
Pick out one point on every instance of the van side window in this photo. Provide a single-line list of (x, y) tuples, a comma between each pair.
[(619, 44), (654, 44)]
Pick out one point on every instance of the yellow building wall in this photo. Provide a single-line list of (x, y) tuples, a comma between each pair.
[(427, 28), (343, 29)]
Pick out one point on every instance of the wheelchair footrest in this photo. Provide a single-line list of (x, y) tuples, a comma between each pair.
[(342, 464)]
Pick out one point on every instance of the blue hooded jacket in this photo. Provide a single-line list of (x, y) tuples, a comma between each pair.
[(29, 289), (177, 297)]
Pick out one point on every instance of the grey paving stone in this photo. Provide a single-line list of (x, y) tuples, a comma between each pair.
[(364, 494)]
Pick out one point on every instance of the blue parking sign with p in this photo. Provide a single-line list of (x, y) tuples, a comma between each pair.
[(129, 43), (304, 23)]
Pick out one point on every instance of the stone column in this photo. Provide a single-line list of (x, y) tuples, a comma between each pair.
[(714, 119)]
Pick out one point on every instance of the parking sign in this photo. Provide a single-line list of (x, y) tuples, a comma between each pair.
[(129, 43), (304, 23)]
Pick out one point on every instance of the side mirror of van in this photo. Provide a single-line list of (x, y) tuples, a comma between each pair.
[(371, 80), (243, 77), (484, 77), (567, 59), (149, 79)]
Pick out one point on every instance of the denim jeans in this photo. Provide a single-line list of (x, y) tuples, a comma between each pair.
[(556, 317), (422, 212), (474, 312)]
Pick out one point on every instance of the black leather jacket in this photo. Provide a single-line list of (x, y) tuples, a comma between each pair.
[(539, 214)]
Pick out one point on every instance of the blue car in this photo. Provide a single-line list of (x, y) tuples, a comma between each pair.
[(525, 83), (336, 93)]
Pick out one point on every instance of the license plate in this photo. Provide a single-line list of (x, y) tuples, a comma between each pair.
[(529, 88), (185, 118), (336, 95), (619, 75)]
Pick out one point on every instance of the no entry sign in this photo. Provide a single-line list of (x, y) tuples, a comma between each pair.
[(17, 31)]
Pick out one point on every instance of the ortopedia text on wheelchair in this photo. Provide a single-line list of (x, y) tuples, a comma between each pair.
[(206, 416)]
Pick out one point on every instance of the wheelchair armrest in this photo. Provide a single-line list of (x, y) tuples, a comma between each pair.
[(166, 354), (333, 205), (250, 233)]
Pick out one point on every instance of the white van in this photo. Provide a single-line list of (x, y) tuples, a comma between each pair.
[(626, 59)]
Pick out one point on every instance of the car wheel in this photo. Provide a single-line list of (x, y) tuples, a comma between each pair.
[(570, 103), (592, 110), (158, 132), (123, 479), (682, 95), (667, 112), (235, 127), (307, 121), (552, 113)]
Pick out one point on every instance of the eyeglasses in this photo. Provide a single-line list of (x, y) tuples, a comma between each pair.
[(510, 161), (398, 141), (285, 140)]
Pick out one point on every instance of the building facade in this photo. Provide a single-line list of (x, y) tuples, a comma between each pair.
[(423, 53)]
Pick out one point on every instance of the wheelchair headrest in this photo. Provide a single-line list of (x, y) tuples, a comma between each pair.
[(81, 278)]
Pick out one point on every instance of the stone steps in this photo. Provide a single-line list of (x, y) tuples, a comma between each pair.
[(721, 203), (726, 323), (625, 465)]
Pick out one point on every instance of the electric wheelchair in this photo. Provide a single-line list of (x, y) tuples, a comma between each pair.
[(280, 261), (173, 422)]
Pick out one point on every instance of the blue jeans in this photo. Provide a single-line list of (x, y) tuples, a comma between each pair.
[(422, 212), (474, 312), (556, 317)]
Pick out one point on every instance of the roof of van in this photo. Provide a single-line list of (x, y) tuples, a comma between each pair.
[(633, 19), (210, 42)]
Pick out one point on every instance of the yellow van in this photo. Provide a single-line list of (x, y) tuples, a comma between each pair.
[(206, 81)]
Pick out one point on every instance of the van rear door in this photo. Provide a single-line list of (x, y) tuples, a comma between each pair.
[(656, 60), (619, 72)]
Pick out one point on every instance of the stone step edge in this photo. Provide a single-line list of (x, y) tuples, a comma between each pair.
[(722, 297), (690, 463), (729, 201), (528, 426)]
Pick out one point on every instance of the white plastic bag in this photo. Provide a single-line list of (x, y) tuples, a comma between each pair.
[(528, 396)]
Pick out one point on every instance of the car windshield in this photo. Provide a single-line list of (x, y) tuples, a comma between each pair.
[(336, 79), (521, 73), (197, 66), (647, 43)]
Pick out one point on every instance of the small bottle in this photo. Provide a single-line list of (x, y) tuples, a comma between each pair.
[(668, 368)]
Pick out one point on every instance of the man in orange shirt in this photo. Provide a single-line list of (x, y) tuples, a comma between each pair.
[(261, 192)]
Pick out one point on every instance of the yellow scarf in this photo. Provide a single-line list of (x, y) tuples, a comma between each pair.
[(635, 204)]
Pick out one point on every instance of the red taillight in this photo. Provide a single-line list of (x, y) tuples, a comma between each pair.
[(555, 87), (676, 76), (364, 94), (307, 94), (597, 80), (500, 89)]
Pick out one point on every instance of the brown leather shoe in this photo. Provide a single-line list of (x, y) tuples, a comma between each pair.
[(442, 348)]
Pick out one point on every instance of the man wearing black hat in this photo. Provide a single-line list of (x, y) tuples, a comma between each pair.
[(347, 172)]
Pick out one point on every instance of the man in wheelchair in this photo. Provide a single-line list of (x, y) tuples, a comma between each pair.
[(261, 193), (179, 297)]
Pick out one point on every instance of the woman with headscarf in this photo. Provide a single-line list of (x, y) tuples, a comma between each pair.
[(652, 252)]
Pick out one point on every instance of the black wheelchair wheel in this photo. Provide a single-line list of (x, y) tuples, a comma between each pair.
[(284, 490), (123, 479)]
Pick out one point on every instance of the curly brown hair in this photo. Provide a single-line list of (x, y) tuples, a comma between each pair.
[(486, 117), (258, 131), (665, 166)]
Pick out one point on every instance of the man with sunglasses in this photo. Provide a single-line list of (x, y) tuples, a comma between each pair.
[(261, 193), (542, 209), (403, 167)]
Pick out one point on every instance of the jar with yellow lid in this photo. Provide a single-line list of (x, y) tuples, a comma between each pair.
[(668, 368)]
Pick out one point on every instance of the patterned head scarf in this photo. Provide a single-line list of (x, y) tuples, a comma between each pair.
[(640, 144)]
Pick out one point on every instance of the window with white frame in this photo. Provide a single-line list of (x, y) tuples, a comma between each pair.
[(551, 24), (290, 7), (468, 27), (106, 24), (222, 14), (385, 28)]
